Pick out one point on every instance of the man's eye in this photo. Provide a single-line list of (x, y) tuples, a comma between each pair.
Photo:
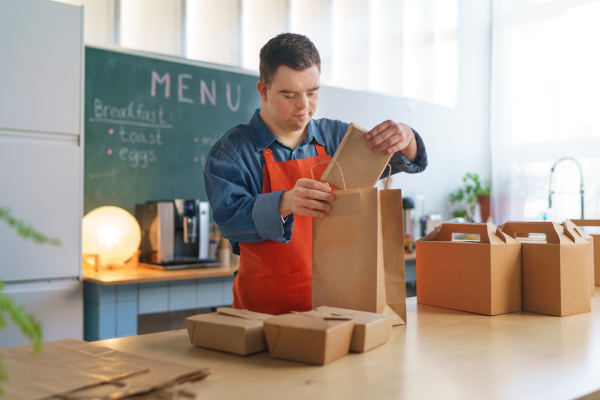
[(312, 93), (289, 97)]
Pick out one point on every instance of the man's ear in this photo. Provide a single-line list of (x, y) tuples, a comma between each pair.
[(261, 86)]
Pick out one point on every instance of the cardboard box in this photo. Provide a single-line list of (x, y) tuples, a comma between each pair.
[(234, 331), (588, 238), (482, 276), (308, 338), (361, 167), (370, 329), (555, 272), (595, 239)]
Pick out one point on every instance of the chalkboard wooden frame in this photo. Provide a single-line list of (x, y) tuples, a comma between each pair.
[(149, 121)]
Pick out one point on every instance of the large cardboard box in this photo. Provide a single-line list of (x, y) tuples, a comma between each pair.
[(587, 237), (234, 331), (595, 239), (370, 329), (308, 338), (555, 273), (482, 276), (361, 167)]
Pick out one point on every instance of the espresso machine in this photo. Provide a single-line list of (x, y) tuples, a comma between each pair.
[(175, 234)]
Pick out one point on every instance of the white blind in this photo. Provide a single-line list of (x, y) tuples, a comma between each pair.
[(546, 80)]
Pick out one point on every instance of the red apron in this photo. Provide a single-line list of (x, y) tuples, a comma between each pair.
[(276, 278)]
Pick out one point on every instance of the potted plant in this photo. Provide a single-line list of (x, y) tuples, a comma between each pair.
[(465, 198)]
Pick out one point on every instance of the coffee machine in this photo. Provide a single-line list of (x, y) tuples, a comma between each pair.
[(175, 234)]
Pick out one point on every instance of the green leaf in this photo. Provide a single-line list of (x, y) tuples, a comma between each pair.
[(27, 231)]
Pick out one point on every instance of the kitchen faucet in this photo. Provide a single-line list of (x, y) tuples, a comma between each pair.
[(581, 191)]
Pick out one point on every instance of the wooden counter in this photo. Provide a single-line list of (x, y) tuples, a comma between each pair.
[(144, 274), (440, 354)]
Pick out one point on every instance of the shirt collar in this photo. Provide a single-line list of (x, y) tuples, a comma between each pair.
[(263, 136)]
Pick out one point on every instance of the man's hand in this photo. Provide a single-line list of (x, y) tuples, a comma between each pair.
[(306, 198), (392, 137)]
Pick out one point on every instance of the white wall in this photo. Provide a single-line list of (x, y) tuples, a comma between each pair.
[(457, 139)]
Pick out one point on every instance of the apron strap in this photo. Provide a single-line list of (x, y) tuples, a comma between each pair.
[(320, 149), (268, 155), (269, 171)]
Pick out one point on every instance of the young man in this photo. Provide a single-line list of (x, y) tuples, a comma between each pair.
[(258, 179)]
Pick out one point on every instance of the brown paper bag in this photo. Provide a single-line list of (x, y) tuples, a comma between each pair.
[(353, 147), (358, 253)]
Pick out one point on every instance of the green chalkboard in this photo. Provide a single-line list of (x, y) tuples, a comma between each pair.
[(149, 123)]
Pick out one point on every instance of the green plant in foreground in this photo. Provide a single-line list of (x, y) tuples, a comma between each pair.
[(467, 195), (26, 231), (9, 308)]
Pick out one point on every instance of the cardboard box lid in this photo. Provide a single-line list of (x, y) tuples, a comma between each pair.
[(307, 321), (361, 167), (360, 317), (555, 234), (231, 316), (488, 233)]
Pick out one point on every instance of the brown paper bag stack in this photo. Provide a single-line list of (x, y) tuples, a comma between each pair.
[(358, 256), (595, 240), (555, 270), (74, 369), (477, 276)]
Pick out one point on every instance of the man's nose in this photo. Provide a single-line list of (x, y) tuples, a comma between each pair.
[(302, 102)]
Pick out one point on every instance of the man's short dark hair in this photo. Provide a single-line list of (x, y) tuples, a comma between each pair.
[(289, 49)]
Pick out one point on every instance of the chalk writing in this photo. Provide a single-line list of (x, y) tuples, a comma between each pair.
[(152, 138), (137, 158), (206, 93), (130, 113)]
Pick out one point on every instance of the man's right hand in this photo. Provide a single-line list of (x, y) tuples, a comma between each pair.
[(306, 198)]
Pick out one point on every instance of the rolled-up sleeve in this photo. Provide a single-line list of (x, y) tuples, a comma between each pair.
[(240, 215), (267, 218), (399, 162)]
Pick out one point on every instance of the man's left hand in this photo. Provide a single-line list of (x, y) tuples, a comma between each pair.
[(392, 137)]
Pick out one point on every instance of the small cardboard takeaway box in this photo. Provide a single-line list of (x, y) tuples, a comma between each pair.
[(555, 271), (370, 329), (308, 338), (482, 276), (357, 175), (588, 238), (234, 331), (594, 238)]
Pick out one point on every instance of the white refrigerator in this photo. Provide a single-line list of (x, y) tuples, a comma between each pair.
[(41, 162)]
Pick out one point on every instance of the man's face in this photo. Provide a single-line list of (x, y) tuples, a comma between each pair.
[(291, 99)]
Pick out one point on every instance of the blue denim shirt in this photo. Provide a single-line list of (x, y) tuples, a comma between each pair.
[(233, 177)]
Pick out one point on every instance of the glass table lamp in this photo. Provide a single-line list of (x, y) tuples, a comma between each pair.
[(111, 236)]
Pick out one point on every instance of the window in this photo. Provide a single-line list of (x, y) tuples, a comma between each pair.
[(397, 47), (544, 108)]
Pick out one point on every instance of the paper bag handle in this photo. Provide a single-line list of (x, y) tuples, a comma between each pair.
[(483, 230), (551, 229), (389, 177), (328, 161)]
